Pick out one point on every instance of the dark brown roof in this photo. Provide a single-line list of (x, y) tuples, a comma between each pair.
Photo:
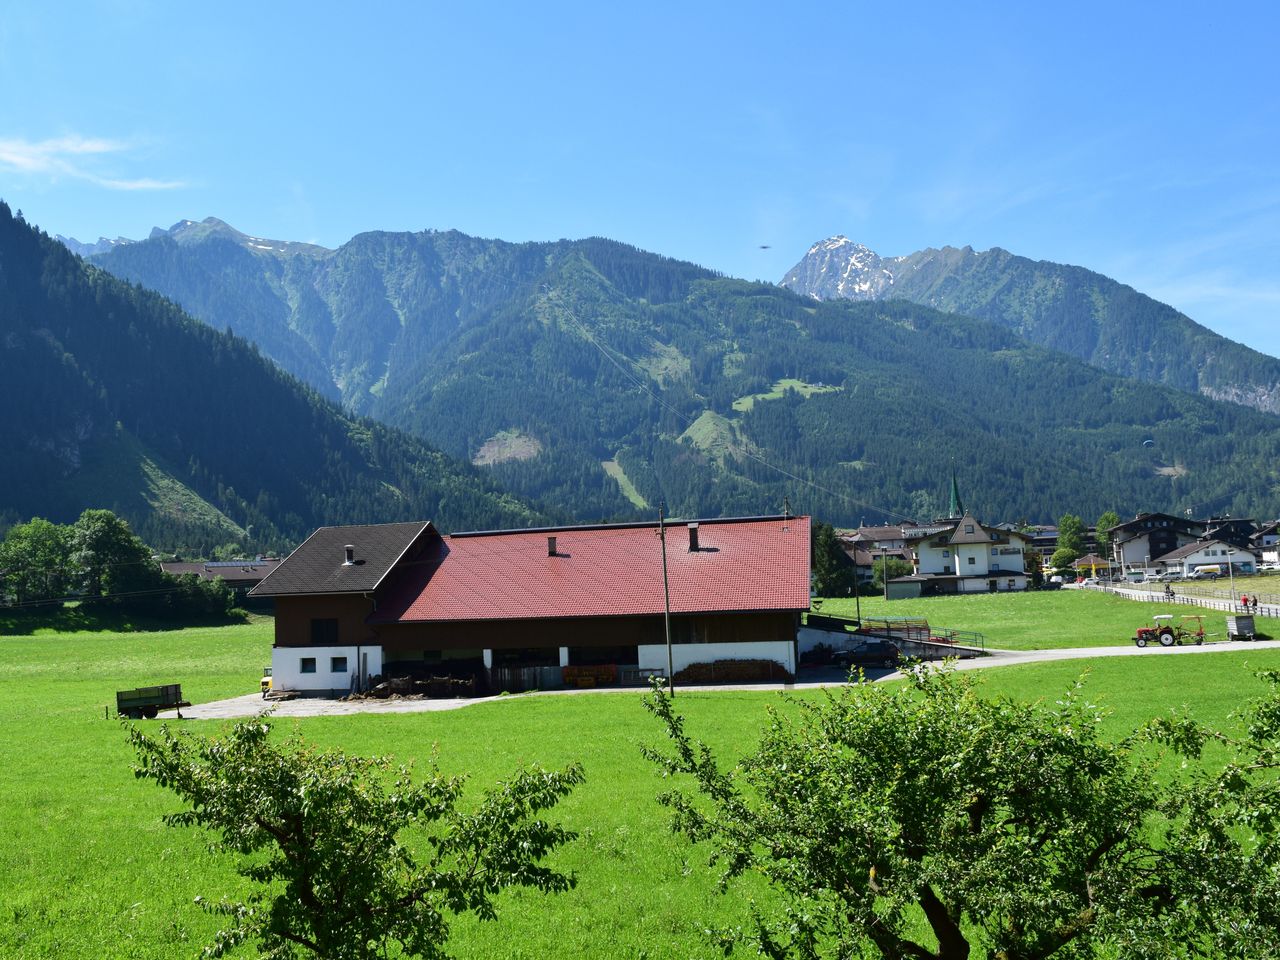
[(319, 564)]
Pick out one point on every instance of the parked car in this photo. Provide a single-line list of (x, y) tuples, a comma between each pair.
[(1203, 573), (872, 653)]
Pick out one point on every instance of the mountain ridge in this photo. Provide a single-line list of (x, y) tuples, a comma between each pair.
[(1107, 324), (624, 378)]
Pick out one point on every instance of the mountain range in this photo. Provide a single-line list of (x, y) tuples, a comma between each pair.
[(601, 380), (1099, 320), (113, 397)]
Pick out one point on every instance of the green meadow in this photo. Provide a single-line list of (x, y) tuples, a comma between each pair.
[(1037, 619), (88, 871)]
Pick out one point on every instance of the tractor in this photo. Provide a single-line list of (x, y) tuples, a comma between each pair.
[(1167, 632)]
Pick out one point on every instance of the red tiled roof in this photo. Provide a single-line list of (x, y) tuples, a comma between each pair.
[(755, 564)]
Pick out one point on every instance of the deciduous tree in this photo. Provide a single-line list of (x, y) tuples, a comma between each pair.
[(1105, 523), (319, 834), (1007, 831)]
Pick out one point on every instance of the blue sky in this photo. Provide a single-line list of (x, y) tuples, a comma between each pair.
[(1139, 140)]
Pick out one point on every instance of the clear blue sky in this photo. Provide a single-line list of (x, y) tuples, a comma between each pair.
[(1136, 139)]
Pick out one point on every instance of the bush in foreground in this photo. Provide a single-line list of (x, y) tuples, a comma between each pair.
[(1007, 831), (318, 832)]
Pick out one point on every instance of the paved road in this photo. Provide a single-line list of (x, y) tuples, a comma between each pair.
[(252, 704)]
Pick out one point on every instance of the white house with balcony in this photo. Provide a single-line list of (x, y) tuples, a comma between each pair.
[(965, 557)]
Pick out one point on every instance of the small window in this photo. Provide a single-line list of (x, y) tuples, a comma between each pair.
[(995, 552), (1010, 584), (968, 528), (946, 553), (337, 664), (972, 561), (307, 665)]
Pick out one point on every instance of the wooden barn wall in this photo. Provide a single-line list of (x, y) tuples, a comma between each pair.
[(294, 616)]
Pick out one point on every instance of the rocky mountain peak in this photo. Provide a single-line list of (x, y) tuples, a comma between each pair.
[(839, 268)]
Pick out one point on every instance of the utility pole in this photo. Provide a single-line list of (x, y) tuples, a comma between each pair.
[(666, 597)]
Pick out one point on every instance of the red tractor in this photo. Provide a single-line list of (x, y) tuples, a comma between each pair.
[(1166, 632)]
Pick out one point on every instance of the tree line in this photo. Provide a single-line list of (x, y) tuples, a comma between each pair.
[(99, 559)]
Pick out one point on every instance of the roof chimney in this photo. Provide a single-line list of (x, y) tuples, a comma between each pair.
[(350, 551), (693, 538), (551, 546)]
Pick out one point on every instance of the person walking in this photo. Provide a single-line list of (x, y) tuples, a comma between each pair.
[(1244, 602), (1255, 603)]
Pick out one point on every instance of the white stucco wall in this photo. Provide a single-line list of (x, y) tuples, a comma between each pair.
[(286, 667), (653, 656)]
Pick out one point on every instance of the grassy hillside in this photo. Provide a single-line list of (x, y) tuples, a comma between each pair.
[(89, 872)]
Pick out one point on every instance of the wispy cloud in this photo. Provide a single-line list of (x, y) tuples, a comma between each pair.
[(74, 156)]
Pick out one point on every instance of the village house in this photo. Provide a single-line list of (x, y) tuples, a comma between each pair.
[(240, 575), (358, 601), (1266, 542), (1138, 543), (1212, 555), (964, 557)]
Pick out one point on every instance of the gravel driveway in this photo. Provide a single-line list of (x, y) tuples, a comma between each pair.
[(253, 703)]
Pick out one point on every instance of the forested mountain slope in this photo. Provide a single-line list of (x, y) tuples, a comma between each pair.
[(603, 379), (114, 398), (1077, 311)]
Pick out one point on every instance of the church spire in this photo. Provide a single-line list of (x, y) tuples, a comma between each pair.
[(956, 508)]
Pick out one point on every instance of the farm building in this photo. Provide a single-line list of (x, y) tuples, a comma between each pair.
[(401, 598)]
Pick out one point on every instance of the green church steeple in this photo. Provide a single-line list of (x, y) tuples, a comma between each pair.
[(956, 508)]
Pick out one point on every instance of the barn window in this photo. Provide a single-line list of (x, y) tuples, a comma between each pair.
[(324, 633), (307, 665), (337, 664), (972, 561)]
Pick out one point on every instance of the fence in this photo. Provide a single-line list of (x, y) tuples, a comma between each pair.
[(1217, 599)]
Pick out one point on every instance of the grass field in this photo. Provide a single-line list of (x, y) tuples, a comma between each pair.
[(88, 871), (1036, 619)]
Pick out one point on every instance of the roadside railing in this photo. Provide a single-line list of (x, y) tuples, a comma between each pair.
[(1220, 600)]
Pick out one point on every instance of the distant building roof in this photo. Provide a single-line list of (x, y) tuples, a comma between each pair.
[(758, 563), (320, 564), (239, 573), (887, 532)]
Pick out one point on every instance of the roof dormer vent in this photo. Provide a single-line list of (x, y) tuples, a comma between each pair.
[(350, 552), (551, 546), (693, 538)]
